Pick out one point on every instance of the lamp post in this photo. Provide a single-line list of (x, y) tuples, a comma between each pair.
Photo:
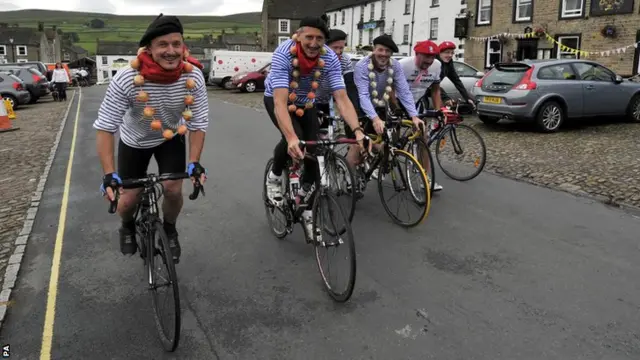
[(13, 52)]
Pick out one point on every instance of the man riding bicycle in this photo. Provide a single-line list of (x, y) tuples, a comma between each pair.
[(423, 75), (298, 68), (386, 79), (447, 50), (146, 102)]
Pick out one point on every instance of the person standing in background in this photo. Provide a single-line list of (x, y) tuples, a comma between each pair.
[(60, 79)]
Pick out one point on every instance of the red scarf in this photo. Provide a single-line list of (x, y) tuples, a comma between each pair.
[(306, 64), (155, 73)]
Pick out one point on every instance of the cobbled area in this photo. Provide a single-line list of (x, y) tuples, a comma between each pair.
[(596, 157), (23, 155)]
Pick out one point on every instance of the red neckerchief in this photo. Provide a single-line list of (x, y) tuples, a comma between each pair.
[(306, 63), (421, 72), (155, 73)]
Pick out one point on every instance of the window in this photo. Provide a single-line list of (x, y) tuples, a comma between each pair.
[(362, 13), (372, 13), (464, 70), (594, 72), (571, 8), (105, 75), (494, 52), (484, 12), (571, 42), (435, 3), (557, 72), (105, 60), (383, 9), (524, 10), (22, 60), (282, 39), (284, 26), (544, 54), (343, 16), (22, 50), (405, 34), (407, 7), (329, 20), (433, 29), (236, 47), (335, 19), (3, 50)]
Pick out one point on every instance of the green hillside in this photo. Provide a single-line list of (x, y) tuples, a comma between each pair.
[(127, 28)]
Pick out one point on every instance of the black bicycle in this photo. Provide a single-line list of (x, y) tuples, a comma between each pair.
[(153, 241), (330, 222)]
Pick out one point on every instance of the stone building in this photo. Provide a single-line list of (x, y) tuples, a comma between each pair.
[(602, 30)]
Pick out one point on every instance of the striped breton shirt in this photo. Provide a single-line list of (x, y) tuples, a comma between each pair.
[(323, 93), (281, 68), (121, 111), (400, 85)]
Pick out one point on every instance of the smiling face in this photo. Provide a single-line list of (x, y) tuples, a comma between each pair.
[(312, 40), (381, 54), (167, 50), (338, 46), (424, 60), (447, 55)]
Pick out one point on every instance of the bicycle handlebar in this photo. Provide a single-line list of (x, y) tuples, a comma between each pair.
[(152, 179)]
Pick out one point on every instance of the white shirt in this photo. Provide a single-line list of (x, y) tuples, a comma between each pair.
[(59, 75), (411, 72)]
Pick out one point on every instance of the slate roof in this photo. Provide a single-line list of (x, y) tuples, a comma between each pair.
[(338, 5), (238, 39), (292, 9), (116, 47), (20, 36)]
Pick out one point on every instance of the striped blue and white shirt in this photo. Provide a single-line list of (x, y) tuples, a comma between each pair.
[(121, 111), (324, 94), (400, 85), (281, 68)]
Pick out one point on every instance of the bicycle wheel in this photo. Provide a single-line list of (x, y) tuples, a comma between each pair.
[(406, 175), (341, 178), (341, 240), (460, 136), (159, 258), (271, 210), (416, 148)]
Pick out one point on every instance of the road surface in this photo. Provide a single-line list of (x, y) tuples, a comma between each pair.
[(500, 270)]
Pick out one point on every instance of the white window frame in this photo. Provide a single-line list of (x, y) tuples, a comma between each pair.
[(21, 47), (522, 3), (489, 51), (484, 6), (407, 7), (432, 28), (343, 16), (281, 22), (573, 13), (22, 60), (3, 49), (560, 52), (405, 33), (105, 60), (372, 11)]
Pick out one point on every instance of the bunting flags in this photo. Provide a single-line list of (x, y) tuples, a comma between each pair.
[(562, 48)]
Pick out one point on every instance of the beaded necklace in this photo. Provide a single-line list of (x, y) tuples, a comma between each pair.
[(149, 111), (295, 80), (374, 85)]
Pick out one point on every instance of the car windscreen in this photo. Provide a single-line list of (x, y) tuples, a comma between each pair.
[(507, 76), (15, 78)]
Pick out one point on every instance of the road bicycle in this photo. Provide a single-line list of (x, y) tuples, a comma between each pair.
[(153, 241), (320, 195), (447, 126)]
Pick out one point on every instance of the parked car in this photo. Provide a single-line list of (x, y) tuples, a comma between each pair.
[(35, 82), (468, 75), (38, 65), (251, 81), (548, 92), (12, 88)]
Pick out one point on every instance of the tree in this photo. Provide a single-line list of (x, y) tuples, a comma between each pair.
[(96, 24)]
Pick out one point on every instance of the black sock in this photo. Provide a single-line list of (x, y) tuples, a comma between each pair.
[(169, 227), (131, 225)]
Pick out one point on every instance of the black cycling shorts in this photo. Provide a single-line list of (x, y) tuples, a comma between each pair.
[(170, 156)]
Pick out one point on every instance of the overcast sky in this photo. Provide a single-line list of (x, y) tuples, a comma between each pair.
[(140, 7)]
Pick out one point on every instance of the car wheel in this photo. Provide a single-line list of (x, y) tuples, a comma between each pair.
[(227, 83), (33, 99), (488, 119), (633, 112), (13, 101), (550, 117), (250, 86)]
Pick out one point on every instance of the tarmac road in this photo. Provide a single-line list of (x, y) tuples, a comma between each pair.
[(499, 270)]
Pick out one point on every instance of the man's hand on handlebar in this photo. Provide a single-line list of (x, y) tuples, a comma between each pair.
[(111, 183), (293, 149), (197, 171), (378, 125)]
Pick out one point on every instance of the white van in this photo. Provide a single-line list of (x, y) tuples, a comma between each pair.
[(227, 64)]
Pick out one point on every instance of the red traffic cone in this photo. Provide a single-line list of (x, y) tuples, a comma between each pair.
[(5, 122)]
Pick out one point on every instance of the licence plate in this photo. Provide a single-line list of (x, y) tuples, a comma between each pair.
[(492, 100)]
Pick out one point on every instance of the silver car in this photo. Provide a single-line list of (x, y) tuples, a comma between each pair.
[(548, 92), (468, 75)]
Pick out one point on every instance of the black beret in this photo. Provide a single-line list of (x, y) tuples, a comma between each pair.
[(315, 22), (161, 26), (336, 35), (386, 40)]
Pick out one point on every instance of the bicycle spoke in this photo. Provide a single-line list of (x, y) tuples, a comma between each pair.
[(466, 157)]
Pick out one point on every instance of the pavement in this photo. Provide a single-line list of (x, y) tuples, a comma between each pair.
[(594, 157), (500, 270)]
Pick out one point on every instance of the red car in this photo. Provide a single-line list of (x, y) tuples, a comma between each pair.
[(251, 81)]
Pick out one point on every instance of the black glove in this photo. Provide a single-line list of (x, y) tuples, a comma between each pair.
[(195, 170), (110, 180)]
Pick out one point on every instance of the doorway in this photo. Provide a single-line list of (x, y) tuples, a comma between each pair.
[(527, 49)]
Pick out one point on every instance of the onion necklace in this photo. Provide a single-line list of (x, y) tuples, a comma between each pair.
[(149, 111), (374, 85), (295, 80)]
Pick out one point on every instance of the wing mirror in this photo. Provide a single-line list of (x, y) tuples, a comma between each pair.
[(479, 75), (618, 79)]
